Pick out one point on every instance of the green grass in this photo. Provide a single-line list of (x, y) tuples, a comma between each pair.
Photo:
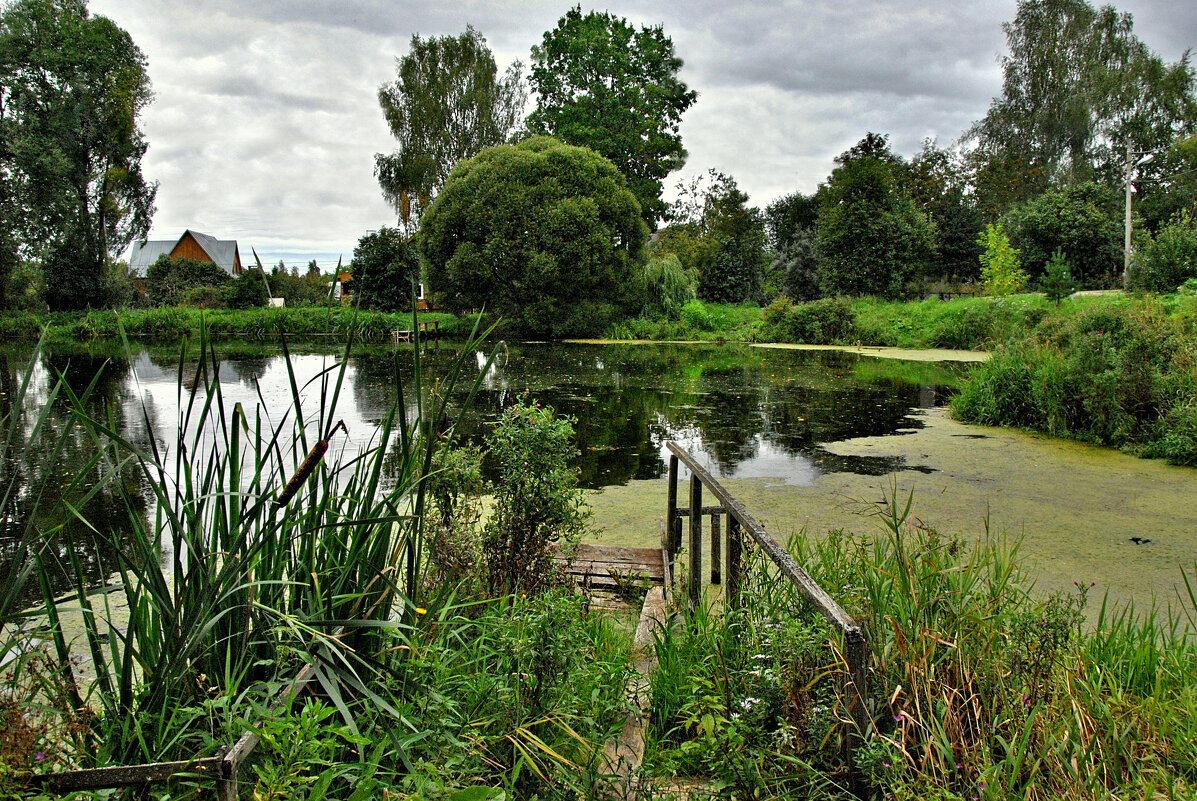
[(336, 323), (978, 688)]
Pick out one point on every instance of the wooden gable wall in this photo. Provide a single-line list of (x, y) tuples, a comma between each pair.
[(188, 248)]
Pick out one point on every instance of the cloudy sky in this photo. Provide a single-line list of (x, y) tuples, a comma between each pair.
[(266, 120)]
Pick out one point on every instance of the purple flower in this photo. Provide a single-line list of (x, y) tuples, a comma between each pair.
[(39, 756)]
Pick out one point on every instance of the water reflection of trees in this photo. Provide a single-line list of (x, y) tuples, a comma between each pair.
[(49, 474)]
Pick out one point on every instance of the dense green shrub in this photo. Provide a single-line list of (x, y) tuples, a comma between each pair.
[(168, 280), (1120, 375), (247, 291), (1081, 220), (821, 322), (1169, 258), (537, 505), (696, 316)]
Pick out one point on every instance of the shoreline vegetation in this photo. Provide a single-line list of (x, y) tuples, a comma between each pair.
[(1110, 369)]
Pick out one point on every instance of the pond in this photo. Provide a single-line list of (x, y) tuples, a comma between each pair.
[(810, 438)]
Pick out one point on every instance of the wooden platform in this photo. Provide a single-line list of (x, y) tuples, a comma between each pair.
[(597, 565)]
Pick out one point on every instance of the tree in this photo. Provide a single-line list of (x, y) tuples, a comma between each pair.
[(1168, 259), (446, 104), (1001, 269), (718, 237), (872, 239), (1082, 221), (791, 224), (71, 89), (939, 188), (385, 267), (789, 217), (603, 84), (545, 234), (1079, 90), (247, 290)]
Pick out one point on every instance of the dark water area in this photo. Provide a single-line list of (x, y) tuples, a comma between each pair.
[(746, 412)]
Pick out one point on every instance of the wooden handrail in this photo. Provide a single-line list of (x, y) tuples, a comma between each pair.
[(856, 651)]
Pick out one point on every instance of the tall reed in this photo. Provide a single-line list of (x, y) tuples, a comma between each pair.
[(228, 591)]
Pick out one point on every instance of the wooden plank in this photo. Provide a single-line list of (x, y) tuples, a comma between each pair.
[(706, 510), (125, 775), (615, 553)]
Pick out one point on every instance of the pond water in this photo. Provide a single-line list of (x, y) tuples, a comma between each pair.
[(784, 427)]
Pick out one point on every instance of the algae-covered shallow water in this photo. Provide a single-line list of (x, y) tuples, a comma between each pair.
[(807, 437)]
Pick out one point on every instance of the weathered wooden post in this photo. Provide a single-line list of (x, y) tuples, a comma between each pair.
[(716, 550), (735, 544), (856, 656), (694, 580), (671, 518)]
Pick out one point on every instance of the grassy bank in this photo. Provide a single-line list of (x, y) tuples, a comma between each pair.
[(1122, 373), (332, 323), (1113, 370), (978, 689)]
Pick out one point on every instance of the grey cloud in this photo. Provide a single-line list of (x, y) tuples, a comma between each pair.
[(266, 121)]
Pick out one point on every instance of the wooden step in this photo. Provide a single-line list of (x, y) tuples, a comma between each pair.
[(595, 565)]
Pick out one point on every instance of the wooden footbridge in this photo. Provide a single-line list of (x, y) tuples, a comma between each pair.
[(597, 566)]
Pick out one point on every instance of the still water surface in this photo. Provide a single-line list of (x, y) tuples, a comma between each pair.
[(746, 412)]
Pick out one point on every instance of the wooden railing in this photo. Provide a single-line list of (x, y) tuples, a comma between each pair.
[(739, 521), (223, 768)]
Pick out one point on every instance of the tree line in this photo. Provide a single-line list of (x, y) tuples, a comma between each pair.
[(556, 219), (1031, 194)]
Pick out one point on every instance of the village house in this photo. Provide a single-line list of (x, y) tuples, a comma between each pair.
[(191, 245)]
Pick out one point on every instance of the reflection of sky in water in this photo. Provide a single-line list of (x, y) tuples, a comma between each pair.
[(766, 461), (263, 389)]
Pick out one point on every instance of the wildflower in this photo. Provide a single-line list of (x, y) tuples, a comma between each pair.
[(898, 717), (758, 657), (39, 756), (749, 702), (885, 765), (421, 610), (735, 715)]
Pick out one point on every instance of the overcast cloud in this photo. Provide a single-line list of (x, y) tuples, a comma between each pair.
[(266, 120)]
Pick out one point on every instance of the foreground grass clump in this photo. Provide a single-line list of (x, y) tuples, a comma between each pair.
[(263, 552), (1122, 374), (978, 689)]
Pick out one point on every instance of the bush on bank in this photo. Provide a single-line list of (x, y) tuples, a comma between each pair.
[(1122, 374)]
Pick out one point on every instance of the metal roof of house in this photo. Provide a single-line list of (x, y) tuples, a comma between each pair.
[(145, 253), (223, 252)]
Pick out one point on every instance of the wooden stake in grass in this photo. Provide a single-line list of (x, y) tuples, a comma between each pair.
[(305, 469)]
